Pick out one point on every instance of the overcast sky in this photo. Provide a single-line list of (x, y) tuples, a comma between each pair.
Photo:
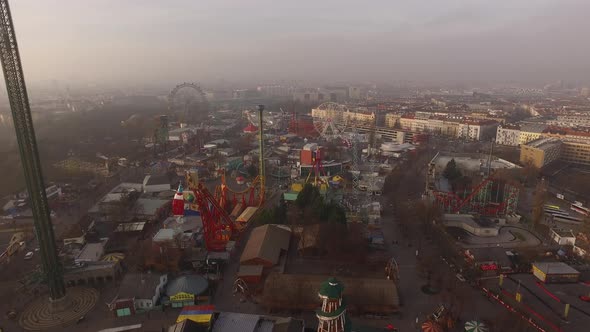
[(330, 40)]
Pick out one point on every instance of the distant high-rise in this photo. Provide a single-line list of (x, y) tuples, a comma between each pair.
[(354, 92)]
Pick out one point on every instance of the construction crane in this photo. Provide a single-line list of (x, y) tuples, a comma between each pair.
[(29, 154)]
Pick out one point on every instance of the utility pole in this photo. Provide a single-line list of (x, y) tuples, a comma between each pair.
[(29, 154)]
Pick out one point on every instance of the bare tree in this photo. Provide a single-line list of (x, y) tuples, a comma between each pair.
[(539, 200)]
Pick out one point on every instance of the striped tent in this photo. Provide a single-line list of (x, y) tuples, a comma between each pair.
[(475, 326), (430, 326), (196, 313), (113, 257)]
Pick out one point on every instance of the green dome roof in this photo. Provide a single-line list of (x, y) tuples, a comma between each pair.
[(331, 288)]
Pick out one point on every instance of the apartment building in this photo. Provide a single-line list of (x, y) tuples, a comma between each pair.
[(540, 152), (530, 132), (453, 127), (360, 116), (411, 123), (508, 135), (392, 119), (576, 152), (572, 120), (327, 113), (487, 116), (567, 134), (356, 116), (477, 130)]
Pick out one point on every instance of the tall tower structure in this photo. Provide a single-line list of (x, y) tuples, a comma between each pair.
[(29, 155), (332, 315), (261, 171), (161, 134)]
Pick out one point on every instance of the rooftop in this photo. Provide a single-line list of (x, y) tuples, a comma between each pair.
[(187, 224), (91, 252), (190, 284), (127, 186), (563, 232), (229, 322), (510, 126), (139, 285), (150, 206), (533, 127), (164, 235), (188, 325), (130, 227), (544, 143), (478, 122), (156, 180), (300, 291), (471, 162), (555, 268), (265, 243), (74, 231), (566, 131)]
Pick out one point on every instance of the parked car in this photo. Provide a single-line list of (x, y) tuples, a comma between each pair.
[(29, 255), (585, 298)]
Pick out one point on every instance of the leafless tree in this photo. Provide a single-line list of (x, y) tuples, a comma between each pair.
[(539, 200)]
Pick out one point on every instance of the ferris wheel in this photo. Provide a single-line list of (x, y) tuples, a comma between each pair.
[(188, 99), (329, 120)]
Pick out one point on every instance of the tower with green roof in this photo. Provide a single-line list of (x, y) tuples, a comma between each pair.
[(332, 315)]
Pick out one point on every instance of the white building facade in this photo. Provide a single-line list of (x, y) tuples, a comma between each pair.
[(508, 136)]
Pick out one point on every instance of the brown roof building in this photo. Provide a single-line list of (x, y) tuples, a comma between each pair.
[(300, 292), (265, 245)]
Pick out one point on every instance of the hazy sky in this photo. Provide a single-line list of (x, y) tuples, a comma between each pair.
[(330, 40)]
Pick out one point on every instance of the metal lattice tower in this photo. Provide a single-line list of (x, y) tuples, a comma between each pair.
[(261, 171), (354, 168), (29, 155)]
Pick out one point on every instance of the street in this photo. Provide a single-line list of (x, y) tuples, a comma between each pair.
[(408, 250)]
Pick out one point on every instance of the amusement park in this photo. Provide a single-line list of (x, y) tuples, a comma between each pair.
[(214, 208), (264, 208), (308, 181)]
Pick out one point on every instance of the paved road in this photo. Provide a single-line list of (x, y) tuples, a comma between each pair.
[(415, 303)]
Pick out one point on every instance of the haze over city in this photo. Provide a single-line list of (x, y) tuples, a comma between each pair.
[(302, 166), (315, 41)]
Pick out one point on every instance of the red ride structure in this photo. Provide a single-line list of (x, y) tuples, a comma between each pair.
[(251, 196), (302, 125), (491, 197), (218, 227)]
